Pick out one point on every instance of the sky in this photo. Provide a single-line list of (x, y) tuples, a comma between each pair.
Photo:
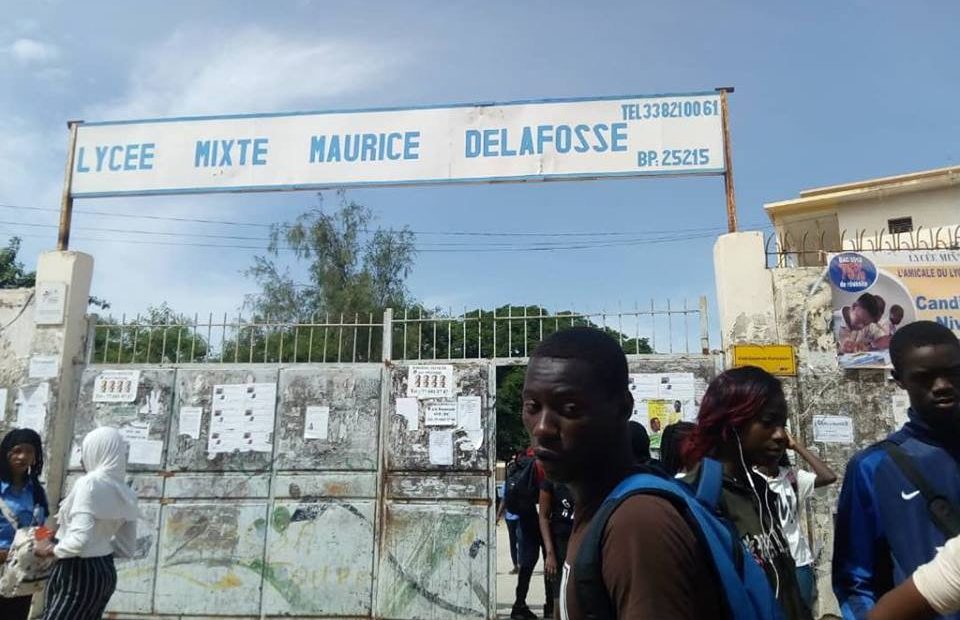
[(826, 92)]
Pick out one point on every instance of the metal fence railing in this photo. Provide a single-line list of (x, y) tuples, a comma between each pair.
[(411, 334), (811, 248)]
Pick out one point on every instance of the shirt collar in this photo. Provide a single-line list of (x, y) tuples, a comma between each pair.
[(5, 486)]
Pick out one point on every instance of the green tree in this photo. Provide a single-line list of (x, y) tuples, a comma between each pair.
[(511, 435), (354, 270), (161, 335), (12, 272), (510, 331)]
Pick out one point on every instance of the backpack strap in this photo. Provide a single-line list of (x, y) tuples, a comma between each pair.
[(710, 485), (943, 513), (592, 596), (9, 515)]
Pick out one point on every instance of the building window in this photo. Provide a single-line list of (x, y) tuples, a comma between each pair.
[(900, 225)]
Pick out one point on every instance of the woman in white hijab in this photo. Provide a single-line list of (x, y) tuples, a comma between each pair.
[(97, 520)]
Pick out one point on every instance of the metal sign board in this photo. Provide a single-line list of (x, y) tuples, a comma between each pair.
[(777, 359), (587, 138)]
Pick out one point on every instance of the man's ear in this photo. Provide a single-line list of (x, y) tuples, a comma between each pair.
[(897, 379)]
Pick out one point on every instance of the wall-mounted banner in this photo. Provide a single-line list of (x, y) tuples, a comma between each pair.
[(876, 293), (518, 141)]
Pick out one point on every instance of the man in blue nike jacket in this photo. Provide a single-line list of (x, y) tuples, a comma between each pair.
[(884, 529)]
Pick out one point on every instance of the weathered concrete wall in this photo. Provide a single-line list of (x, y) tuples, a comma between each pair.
[(16, 335), (361, 524), (21, 340), (804, 313), (801, 315), (744, 290)]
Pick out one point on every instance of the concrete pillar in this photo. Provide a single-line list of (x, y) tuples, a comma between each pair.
[(67, 343), (744, 290)]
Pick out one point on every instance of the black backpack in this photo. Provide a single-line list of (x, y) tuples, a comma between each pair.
[(521, 492)]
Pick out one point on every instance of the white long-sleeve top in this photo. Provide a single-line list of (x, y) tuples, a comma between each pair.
[(85, 536), (938, 581)]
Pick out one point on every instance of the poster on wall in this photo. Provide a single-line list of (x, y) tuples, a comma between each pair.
[(877, 293), (660, 400)]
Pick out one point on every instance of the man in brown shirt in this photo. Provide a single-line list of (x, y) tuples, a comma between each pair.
[(576, 406)]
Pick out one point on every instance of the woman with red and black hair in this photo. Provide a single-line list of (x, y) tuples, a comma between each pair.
[(741, 425)]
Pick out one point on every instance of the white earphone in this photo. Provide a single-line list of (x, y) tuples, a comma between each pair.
[(767, 535)]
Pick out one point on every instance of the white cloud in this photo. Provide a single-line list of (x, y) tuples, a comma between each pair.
[(30, 51), (31, 161), (246, 70)]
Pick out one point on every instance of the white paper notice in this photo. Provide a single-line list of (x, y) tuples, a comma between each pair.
[(116, 386), (190, 419), (146, 451), (51, 302), (3, 403), (135, 432), (32, 406), (242, 418), (409, 408), (44, 366), (440, 413), (441, 447), (678, 386), (645, 386), (832, 429), (900, 403), (316, 423), (430, 381), (469, 411)]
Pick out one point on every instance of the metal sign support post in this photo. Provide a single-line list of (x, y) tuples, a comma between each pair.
[(728, 159), (66, 200)]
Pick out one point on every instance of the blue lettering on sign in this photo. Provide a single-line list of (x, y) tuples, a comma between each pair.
[(116, 158), (260, 151), (364, 147), (202, 153), (539, 139), (411, 142), (526, 143), (223, 153)]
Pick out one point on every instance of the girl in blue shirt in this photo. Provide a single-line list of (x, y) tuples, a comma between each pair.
[(21, 463)]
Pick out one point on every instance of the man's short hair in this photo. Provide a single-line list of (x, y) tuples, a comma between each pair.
[(919, 334), (588, 344)]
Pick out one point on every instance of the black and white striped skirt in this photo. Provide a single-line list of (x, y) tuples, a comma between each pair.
[(80, 588)]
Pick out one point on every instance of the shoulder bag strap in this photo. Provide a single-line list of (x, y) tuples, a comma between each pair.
[(943, 514), (9, 515)]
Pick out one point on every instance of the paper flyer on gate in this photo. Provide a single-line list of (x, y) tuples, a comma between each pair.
[(877, 293)]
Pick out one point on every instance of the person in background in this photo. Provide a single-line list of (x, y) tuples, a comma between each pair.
[(884, 527), (932, 591), (556, 523), (24, 500), (640, 442), (793, 487), (529, 542), (97, 519), (511, 519), (671, 460), (741, 424)]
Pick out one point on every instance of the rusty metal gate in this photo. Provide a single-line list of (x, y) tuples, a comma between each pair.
[(361, 524), (358, 525)]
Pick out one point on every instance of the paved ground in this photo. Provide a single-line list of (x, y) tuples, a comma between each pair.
[(506, 583)]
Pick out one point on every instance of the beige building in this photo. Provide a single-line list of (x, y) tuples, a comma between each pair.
[(916, 210)]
